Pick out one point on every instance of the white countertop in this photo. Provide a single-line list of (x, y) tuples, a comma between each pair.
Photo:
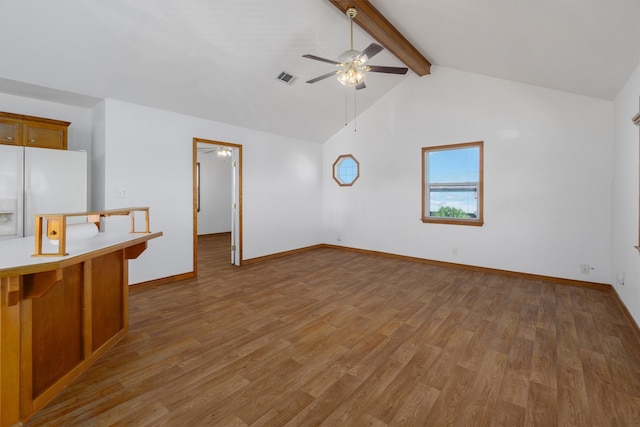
[(17, 253)]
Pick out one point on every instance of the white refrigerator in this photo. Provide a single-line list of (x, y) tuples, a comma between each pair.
[(37, 181)]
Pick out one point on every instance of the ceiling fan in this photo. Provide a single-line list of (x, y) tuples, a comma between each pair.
[(352, 63)]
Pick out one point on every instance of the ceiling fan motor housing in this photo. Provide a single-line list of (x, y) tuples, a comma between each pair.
[(352, 56)]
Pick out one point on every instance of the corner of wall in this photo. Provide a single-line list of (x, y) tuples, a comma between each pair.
[(625, 260), (98, 145)]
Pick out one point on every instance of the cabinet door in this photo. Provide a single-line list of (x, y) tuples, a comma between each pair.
[(10, 132), (45, 136)]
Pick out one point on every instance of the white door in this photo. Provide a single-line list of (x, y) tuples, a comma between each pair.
[(11, 196), (235, 209), (55, 182)]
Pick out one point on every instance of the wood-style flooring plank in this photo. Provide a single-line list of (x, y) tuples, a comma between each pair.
[(331, 337)]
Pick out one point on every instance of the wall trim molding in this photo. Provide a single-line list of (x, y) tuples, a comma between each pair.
[(559, 280), (161, 281), (281, 254), (571, 282)]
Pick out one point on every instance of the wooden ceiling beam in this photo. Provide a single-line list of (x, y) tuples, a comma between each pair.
[(378, 27)]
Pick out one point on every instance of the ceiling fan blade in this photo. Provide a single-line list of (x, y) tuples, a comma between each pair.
[(317, 58), (324, 76), (389, 70), (361, 86), (372, 50)]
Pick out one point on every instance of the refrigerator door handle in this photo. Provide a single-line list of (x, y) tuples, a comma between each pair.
[(28, 213)]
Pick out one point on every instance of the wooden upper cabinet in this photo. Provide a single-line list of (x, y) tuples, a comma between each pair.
[(45, 135), (29, 131), (10, 132)]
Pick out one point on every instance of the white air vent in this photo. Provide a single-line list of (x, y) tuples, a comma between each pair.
[(286, 77)]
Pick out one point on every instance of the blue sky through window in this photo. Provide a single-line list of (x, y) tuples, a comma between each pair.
[(347, 170), (454, 165)]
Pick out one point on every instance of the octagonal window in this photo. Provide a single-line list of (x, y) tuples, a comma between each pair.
[(346, 170)]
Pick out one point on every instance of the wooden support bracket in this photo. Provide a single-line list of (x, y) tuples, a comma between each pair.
[(37, 285), (133, 252), (13, 290)]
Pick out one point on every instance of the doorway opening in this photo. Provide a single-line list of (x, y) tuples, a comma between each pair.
[(217, 194)]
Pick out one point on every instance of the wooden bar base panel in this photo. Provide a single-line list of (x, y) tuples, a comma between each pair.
[(56, 319)]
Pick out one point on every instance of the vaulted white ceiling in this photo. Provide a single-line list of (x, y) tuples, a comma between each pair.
[(219, 59)]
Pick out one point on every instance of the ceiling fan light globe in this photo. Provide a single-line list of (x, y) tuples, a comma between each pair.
[(351, 76), (223, 152)]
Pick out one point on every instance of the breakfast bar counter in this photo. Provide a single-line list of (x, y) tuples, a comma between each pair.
[(59, 314)]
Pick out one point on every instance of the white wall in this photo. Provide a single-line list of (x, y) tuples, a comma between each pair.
[(215, 193), (625, 259), (148, 152), (97, 158), (547, 176)]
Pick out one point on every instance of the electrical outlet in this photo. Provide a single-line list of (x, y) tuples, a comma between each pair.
[(454, 251), (122, 192), (585, 268)]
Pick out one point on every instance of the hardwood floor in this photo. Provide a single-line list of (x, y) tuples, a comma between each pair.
[(336, 338)]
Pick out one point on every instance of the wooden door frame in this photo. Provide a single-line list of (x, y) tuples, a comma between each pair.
[(195, 198)]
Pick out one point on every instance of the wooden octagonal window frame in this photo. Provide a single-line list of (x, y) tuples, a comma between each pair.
[(341, 180)]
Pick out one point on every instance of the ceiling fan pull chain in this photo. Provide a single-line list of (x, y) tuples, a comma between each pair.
[(346, 109)]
